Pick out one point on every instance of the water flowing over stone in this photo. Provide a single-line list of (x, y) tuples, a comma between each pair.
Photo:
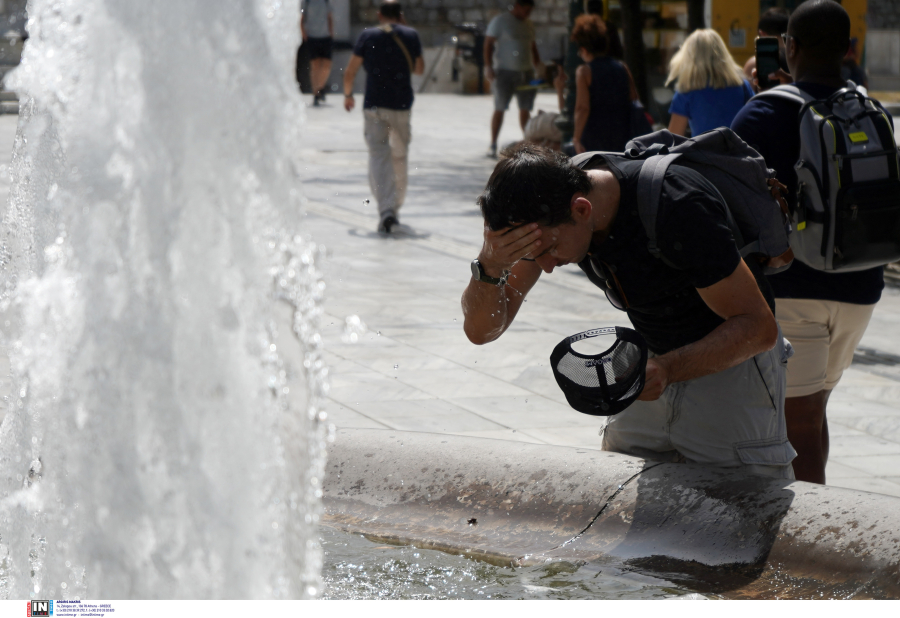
[(164, 437)]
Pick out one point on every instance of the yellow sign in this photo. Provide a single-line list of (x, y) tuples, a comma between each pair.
[(859, 137), (736, 22)]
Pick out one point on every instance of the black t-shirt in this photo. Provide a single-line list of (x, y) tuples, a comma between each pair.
[(693, 235), (387, 69), (772, 127)]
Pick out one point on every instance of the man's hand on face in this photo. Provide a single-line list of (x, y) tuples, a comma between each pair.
[(655, 381), (505, 247)]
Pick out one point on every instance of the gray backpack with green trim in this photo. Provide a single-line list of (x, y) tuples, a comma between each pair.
[(847, 216)]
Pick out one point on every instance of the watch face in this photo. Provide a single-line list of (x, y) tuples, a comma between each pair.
[(476, 271)]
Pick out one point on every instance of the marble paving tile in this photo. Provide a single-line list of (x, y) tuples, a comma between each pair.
[(343, 417), (413, 409), (440, 422), (448, 383), (840, 429), (523, 412), (870, 484), (875, 465), (844, 409), (846, 446), (837, 470), (513, 435), (585, 436), (887, 427), (353, 388)]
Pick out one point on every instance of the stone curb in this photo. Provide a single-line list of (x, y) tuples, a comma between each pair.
[(712, 530)]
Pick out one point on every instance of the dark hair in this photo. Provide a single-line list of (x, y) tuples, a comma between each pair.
[(822, 30), (390, 9), (533, 185), (774, 21), (525, 2), (589, 32)]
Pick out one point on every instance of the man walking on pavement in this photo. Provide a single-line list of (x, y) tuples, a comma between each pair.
[(511, 36), (317, 30), (823, 314), (391, 53)]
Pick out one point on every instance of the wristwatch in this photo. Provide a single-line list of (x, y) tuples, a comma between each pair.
[(479, 275)]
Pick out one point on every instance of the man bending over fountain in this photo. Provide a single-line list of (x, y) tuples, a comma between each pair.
[(715, 380)]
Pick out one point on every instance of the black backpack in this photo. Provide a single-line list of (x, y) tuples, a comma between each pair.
[(758, 214)]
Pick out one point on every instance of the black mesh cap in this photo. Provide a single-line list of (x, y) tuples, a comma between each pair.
[(601, 384)]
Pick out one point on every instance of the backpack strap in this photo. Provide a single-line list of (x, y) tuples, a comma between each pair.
[(787, 92), (649, 190), (390, 30)]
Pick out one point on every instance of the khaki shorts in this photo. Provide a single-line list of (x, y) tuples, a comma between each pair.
[(508, 83), (730, 419), (824, 334)]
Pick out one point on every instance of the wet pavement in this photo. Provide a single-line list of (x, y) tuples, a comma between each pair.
[(415, 370)]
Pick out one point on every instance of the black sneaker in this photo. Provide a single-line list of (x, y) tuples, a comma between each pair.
[(387, 223)]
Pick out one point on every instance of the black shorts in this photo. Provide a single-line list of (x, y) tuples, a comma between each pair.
[(319, 48)]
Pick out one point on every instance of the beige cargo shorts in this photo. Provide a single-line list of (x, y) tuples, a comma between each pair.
[(730, 419)]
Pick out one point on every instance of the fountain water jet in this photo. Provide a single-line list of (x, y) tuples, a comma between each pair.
[(163, 438)]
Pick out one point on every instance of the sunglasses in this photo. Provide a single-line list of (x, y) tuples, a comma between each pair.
[(613, 291)]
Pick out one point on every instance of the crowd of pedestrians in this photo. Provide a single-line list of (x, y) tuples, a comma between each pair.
[(743, 359)]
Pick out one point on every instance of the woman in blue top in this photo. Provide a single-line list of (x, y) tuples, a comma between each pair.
[(710, 87)]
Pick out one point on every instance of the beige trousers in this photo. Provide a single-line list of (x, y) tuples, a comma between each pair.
[(388, 135)]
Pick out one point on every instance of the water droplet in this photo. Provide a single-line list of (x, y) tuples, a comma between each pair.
[(395, 366)]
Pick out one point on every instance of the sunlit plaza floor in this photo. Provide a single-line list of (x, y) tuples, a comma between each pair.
[(415, 370)]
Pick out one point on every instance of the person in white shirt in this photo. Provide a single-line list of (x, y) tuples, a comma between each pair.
[(511, 36)]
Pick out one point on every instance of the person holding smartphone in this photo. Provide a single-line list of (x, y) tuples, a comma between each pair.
[(772, 23), (823, 314)]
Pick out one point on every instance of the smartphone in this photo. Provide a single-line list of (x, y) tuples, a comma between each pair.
[(766, 60)]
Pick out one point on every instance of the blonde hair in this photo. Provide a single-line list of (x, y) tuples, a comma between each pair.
[(703, 62)]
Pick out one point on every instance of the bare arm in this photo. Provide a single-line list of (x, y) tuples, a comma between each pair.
[(535, 56), (489, 43), (749, 329), (678, 124), (559, 83), (303, 26), (488, 310), (420, 66), (349, 75), (582, 104)]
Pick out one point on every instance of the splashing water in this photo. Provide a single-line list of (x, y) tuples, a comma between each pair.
[(163, 438)]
